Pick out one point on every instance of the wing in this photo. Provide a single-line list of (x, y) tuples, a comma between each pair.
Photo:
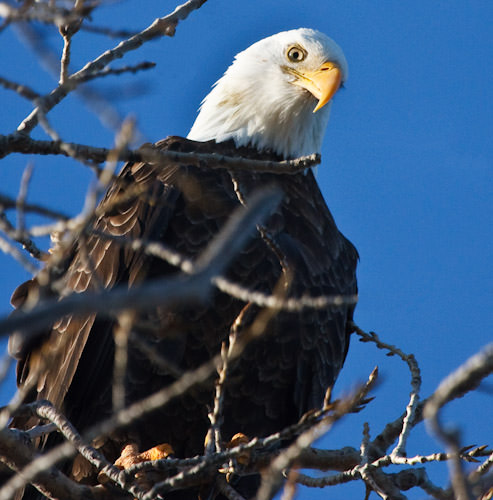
[(304, 351), (328, 269), (138, 205)]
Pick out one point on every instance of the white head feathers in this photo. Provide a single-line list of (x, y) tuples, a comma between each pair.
[(267, 97)]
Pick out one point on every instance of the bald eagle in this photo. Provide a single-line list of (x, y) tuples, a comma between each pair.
[(272, 103)]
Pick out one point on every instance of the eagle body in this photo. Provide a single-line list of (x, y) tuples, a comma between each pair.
[(298, 251)]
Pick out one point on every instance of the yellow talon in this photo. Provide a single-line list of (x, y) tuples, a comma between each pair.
[(242, 458), (157, 453)]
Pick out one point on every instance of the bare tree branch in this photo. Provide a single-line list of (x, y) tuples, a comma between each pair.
[(465, 378), (161, 26), (21, 238), (20, 143), (271, 477), (17, 454), (22, 90), (400, 448), (112, 33), (7, 203), (45, 410), (8, 248)]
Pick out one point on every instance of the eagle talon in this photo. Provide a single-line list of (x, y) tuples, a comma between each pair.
[(130, 456), (243, 458), (240, 460)]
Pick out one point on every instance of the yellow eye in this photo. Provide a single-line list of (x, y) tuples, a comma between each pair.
[(296, 54)]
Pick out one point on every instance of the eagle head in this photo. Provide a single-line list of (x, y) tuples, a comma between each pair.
[(276, 95)]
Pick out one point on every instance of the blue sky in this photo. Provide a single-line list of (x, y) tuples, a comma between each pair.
[(406, 169)]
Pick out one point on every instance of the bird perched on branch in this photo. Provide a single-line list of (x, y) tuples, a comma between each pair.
[(272, 103)]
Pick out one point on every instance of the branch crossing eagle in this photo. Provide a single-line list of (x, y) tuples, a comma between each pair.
[(272, 103)]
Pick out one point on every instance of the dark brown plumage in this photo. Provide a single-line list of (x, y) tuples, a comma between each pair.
[(278, 378)]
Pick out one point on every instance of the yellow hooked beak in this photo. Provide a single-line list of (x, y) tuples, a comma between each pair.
[(322, 83)]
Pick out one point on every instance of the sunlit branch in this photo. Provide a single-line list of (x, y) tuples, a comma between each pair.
[(20, 143)]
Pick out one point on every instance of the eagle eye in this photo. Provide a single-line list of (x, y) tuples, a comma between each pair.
[(296, 54)]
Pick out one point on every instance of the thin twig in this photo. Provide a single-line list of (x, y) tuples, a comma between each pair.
[(21, 197), (121, 334), (271, 477), (15, 235), (22, 90), (40, 430), (213, 439), (65, 60), (154, 357), (101, 30), (9, 203), (466, 453), (161, 26), (365, 468), (103, 109), (463, 379), (7, 247), (5, 364), (409, 419), (482, 469), (145, 65)]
